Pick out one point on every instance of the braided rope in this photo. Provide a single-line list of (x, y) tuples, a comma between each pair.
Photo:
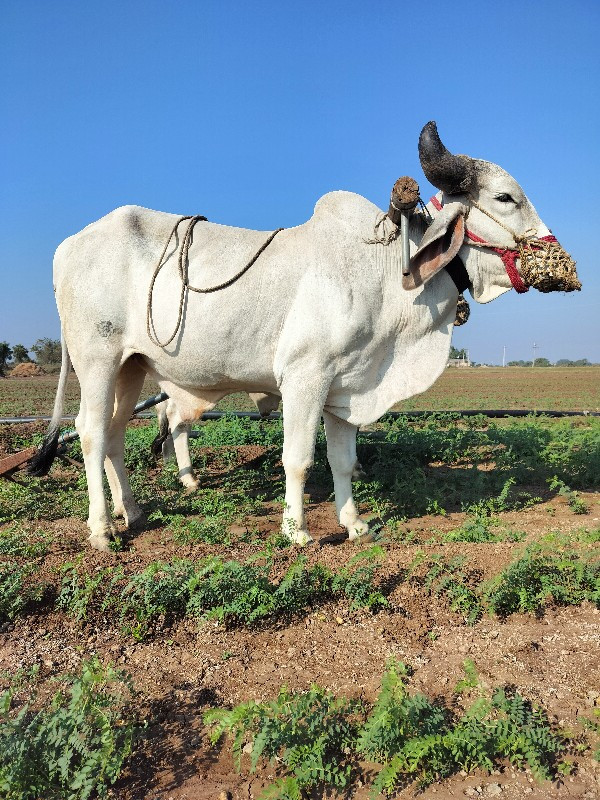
[(386, 238), (182, 265)]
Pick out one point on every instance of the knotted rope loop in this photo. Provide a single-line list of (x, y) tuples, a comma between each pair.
[(183, 251), (182, 266), (386, 237)]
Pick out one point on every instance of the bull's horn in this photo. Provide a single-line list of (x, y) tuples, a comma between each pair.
[(452, 174)]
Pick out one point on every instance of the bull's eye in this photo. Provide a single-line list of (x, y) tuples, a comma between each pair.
[(504, 198)]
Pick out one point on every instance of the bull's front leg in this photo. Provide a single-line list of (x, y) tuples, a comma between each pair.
[(301, 418), (341, 454)]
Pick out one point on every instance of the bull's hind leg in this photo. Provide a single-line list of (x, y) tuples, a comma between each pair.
[(341, 454), (127, 390), (93, 422), (182, 408)]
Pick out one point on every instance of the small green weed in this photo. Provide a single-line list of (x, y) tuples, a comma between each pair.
[(81, 593), (190, 530), (576, 504), (18, 543), (593, 725), (449, 578), (310, 734), (73, 748), (229, 591), (17, 591)]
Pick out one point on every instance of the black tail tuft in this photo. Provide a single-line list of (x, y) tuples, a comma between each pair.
[(40, 464), (159, 440)]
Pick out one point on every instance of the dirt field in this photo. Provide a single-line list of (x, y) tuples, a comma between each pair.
[(556, 388), (423, 484)]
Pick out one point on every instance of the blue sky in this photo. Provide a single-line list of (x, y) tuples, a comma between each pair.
[(249, 112)]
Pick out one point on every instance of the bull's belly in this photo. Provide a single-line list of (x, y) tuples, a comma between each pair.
[(198, 375)]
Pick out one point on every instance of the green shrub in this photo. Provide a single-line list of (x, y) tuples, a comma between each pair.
[(73, 748), (536, 577), (229, 591), (17, 591), (448, 578), (317, 740), (310, 734)]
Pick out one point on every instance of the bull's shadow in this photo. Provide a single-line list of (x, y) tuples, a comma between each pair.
[(411, 469), (174, 742)]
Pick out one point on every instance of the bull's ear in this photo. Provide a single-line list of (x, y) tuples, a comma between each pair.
[(442, 241)]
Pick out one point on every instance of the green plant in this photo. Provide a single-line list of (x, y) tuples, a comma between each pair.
[(482, 529), (160, 591), (17, 591), (448, 578), (309, 734), (318, 740), (593, 725), (73, 748), (16, 542), (576, 504), (79, 591), (534, 578), (355, 580), (211, 530)]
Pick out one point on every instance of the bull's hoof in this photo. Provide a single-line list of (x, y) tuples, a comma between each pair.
[(301, 538), (100, 542), (358, 530), (137, 521), (190, 485)]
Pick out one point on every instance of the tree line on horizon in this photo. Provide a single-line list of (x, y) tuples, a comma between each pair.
[(47, 353), (455, 353)]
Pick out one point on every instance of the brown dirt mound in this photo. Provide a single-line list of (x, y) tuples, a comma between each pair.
[(26, 370)]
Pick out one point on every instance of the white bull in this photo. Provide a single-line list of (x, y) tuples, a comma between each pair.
[(323, 319)]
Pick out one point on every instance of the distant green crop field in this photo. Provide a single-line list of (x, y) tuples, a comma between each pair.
[(546, 388)]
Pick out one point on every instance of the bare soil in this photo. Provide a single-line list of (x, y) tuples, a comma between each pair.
[(187, 667)]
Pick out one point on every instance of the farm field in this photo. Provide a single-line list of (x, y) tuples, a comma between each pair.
[(554, 388), (477, 605)]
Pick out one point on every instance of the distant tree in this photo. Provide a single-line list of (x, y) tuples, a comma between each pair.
[(582, 362), (47, 351), (20, 354), (542, 362), (5, 355), (454, 353), (519, 364)]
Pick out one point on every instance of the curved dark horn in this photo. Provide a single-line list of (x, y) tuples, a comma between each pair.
[(452, 174)]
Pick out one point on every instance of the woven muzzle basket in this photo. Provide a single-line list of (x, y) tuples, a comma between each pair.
[(547, 267)]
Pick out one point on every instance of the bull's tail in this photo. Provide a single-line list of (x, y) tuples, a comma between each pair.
[(40, 464), (163, 429)]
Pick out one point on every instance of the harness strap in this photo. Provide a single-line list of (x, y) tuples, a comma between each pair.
[(455, 269)]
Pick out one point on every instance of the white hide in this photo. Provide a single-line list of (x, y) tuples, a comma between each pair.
[(321, 319)]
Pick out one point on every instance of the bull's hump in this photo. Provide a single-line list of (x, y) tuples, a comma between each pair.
[(343, 205)]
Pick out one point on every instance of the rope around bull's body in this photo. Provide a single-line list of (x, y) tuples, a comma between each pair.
[(182, 264)]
